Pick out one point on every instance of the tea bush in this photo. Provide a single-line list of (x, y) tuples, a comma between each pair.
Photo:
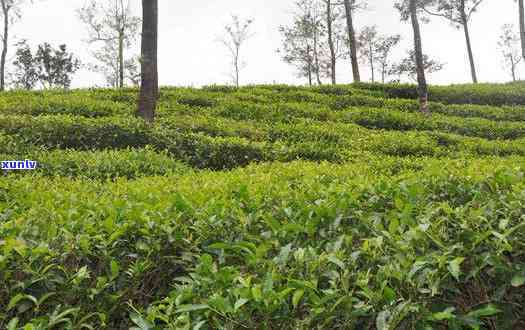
[(263, 207), (100, 165), (282, 245), (489, 94)]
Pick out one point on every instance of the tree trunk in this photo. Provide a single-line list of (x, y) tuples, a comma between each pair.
[(236, 64), (121, 59), (149, 74), (420, 68), (5, 44), (353, 42), (522, 26), (156, 47), (513, 67), (330, 40), (469, 45), (371, 59), (316, 59), (309, 51), (309, 75)]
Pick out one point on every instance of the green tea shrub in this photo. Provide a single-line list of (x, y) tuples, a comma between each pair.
[(220, 88), (196, 101), (280, 245), (65, 131), (338, 90), (106, 164), (60, 104), (402, 121), (203, 151), (482, 94)]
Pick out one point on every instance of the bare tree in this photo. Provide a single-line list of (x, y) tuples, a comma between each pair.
[(331, 43), (384, 48), (368, 44), (459, 13), (11, 11), (336, 40), (317, 42), (113, 25), (350, 7), (409, 10), (237, 33), (375, 49), (149, 87), (509, 46), (301, 46)]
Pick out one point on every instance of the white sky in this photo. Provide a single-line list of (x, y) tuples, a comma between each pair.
[(189, 54)]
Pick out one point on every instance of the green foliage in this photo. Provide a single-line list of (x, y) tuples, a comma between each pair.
[(105, 164), (487, 94), (264, 207), (52, 68), (288, 245)]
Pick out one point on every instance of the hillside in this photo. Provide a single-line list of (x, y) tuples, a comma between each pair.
[(331, 207)]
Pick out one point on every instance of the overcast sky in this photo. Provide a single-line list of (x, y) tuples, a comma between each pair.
[(189, 54)]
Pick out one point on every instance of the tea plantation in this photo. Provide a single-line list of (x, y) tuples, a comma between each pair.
[(264, 207)]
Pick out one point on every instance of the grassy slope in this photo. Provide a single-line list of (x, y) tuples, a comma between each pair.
[(355, 212)]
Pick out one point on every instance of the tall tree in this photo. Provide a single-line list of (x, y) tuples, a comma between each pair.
[(149, 91), (350, 7), (113, 25), (418, 49), (301, 41), (521, 10), (237, 33), (11, 11), (330, 19), (459, 13), (508, 44), (335, 38), (409, 10), (317, 42)]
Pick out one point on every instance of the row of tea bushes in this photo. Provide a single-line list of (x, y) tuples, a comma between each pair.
[(85, 105), (403, 121), (489, 94), (106, 102), (502, 113), (99, 165), (206, 142), (299, 245)]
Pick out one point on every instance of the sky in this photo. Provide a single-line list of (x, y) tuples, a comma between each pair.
[(190, 55)]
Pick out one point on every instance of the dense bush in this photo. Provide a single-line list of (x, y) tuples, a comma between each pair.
[(202, 151), (400, 220), (59, 104), (489, 94), (211, 142), (402, 121), (282, 245), (64, 131), (105, 164), (505, 113)]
